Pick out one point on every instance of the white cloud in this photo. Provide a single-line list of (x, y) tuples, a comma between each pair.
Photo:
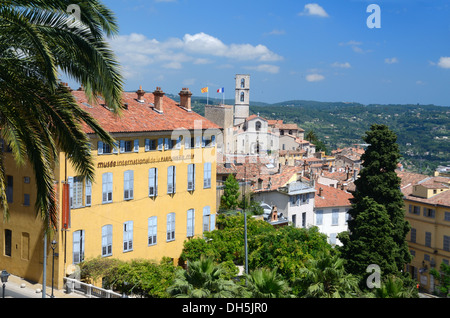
[(444, 62), (315, 10), (273, 69), (276, 32), (341, 65), (136, 50), (355, 45), (392, 60), (315, 77)]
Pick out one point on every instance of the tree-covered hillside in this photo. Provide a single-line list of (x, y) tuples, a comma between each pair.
[(423, 131)]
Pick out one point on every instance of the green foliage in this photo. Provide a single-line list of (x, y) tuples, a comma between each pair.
[(325, 277), (443, 277), (203, 279), (142, 278), (230, 197), (378, 227), (394, 287), (266, 283)]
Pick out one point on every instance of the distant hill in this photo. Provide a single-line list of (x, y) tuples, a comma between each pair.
[(423, 131)]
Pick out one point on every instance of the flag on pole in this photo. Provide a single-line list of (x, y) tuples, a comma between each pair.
[(221, 90), (204, 90)]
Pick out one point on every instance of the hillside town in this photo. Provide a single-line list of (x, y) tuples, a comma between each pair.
[(112, 192)]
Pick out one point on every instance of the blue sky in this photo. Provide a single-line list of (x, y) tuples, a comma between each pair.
[(307, 50)]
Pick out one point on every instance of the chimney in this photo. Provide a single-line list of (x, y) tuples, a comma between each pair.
[(274, 216), (159, 95), (185, 99), (140, 94)]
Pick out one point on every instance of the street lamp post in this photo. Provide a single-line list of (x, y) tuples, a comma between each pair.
[(4, 277), (53, 245)]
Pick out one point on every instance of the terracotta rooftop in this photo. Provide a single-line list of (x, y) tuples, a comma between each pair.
[(141, 117), (331, 197), (275, 181), (408, 180)]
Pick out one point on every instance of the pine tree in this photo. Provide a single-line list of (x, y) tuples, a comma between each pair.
[(379, 181)]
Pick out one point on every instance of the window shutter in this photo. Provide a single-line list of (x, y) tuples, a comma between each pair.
[(160, 144), (100, 148), (212, 219), (122, 146), (147, 144), (174, 179), (70, 182), (213, 141), (170, 180), (88, 198), (136, 145), (116, 148)]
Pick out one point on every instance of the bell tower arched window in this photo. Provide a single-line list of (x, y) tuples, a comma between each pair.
[(243, 83), (242, 97)]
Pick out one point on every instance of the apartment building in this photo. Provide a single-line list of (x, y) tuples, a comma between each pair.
[(152, 191), (427, 204)]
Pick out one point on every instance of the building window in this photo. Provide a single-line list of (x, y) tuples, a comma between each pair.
[(107, 240), (413, 235), (78, 246), (335, 217), (430, 213), (152, 230), (107, 187), (191, 177), (209, 220), (190, 222), (446, 243), (207, 175), (242, 97), (9, 189), (126, 146), (8, 242), (161, 144), (304, 219), (128, 185), (128, 236), (171, 180), (88, 198), (153, 182), (170, 227), (151, 144), (26, 199), (105, 149), (414, 209), (76, 192), (319, 217), (168, 144), (258, 126), (428, 239), (447, 216), (333, 238), (243, 83)]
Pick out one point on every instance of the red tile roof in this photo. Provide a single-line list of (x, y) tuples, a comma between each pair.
[(141, 117), (331, 197)]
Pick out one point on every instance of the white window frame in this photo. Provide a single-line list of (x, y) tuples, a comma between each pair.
[(191, 177), (128, 236), (171, 180), (107, 187), (153, 182), (152, 230), (128, 185), (335, 217), (78, 246), (190, 223), (207, 175), (170, 230), (107, 240), (88, 193)]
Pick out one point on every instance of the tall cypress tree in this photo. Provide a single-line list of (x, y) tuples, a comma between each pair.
[(379, 181)]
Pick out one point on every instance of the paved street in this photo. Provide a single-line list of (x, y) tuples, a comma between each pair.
[(16, 287)]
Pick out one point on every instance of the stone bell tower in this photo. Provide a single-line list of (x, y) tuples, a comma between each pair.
[(242, 99)]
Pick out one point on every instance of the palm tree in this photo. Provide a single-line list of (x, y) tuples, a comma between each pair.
[(202, 279), (39, 117), (393, 287), (325, 277), (266, 283)]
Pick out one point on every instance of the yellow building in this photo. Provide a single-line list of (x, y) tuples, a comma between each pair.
[(153, 191), (427, 203)]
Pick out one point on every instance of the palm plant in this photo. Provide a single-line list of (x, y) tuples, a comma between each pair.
[(325, 277), (393, 287), (266, 283), (202, 279), (39, 117)]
